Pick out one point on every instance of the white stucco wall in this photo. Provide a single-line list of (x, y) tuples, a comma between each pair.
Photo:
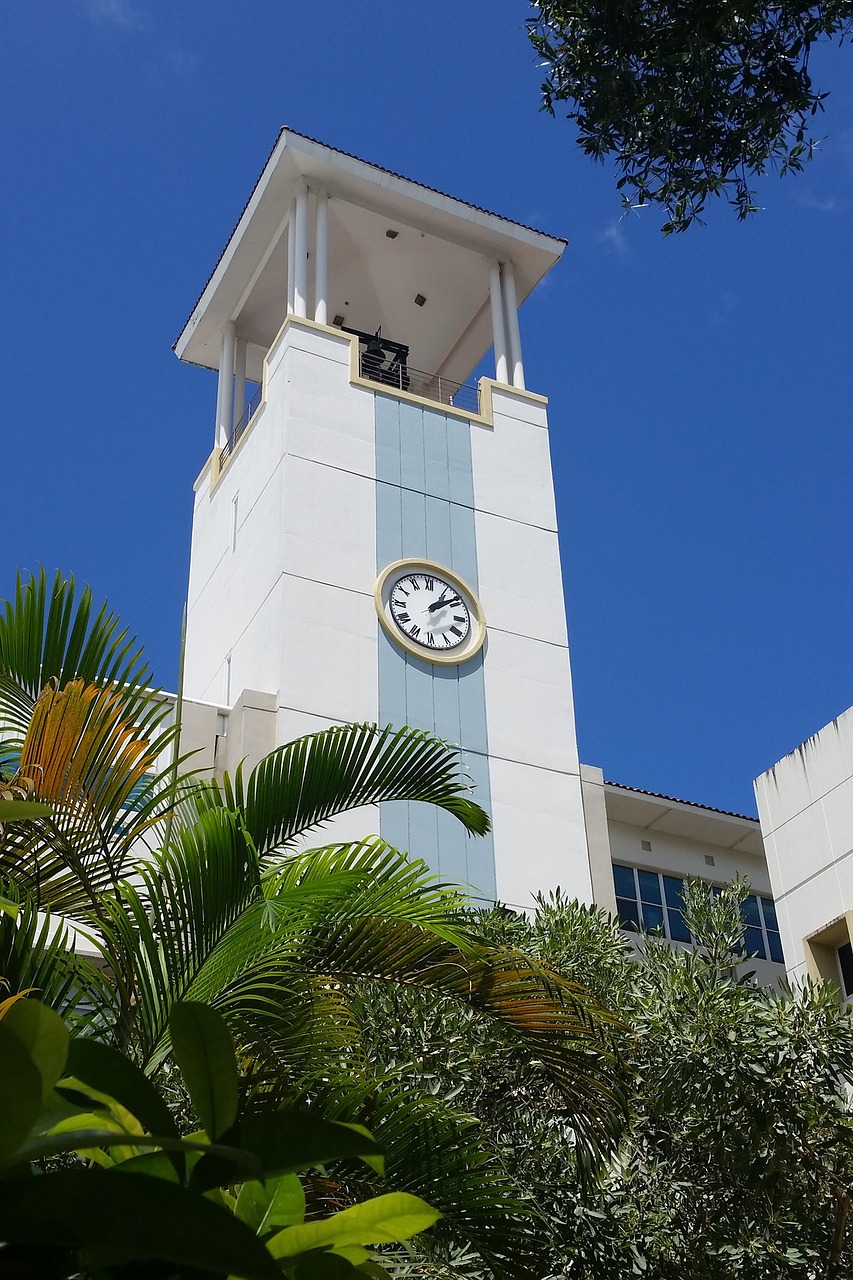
[(805, 803), (539, 832)]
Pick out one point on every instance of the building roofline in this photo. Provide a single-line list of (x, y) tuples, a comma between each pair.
[(692, 804), (378, 168)]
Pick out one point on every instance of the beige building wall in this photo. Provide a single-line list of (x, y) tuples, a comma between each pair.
[(805, 804)]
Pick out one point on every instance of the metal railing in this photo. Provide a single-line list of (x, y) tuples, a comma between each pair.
[(241, 426), (431, 386)]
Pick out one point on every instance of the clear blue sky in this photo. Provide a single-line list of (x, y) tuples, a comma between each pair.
[(700, 386)]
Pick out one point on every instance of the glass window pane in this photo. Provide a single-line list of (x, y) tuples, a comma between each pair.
[(677, 928), (750, 911), (649, 886), (769, 909), (672, 891), (623, 878), (755, 943), (652, 916), (628, 911), (775, 943), (845, 962)]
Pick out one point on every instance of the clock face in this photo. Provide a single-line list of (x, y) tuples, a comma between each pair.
[(430, 611)]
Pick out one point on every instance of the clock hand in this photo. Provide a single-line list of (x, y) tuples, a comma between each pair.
[(441, 602)]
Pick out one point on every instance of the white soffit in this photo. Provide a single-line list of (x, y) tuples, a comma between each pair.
[(248, 276), (683, 819)]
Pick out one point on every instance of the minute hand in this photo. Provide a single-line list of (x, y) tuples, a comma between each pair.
[(440, 603)]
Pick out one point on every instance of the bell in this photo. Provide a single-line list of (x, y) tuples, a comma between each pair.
[(371, 361)]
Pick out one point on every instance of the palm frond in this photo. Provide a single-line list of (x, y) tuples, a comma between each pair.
[(46, 634), (306, 782), (97, 769), (164, 929), (564, 1030), (37, 953), (368, 878)]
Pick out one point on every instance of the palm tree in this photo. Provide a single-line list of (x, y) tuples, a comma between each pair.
[(229, 908)]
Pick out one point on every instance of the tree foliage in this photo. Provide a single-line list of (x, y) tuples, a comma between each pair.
[(692, 98), (225, 1200), (201, 894), (737, 1157)]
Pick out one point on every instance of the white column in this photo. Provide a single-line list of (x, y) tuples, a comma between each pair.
[(300, 276), (239, 380), (225, 388), (513, 332), (498, 330), (291, 257), (321, 259)]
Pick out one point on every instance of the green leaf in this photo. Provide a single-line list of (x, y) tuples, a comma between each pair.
[(18, 810), (154, 1164), (204, 1051), (324, 1266), (387, 1219), (376, 1163), (130, 1218), (280, 1202), (44, 1035), (109, 1072), (20, 1094), (282, 1142)]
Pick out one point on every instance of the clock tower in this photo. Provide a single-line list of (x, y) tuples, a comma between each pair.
[(374, 536)]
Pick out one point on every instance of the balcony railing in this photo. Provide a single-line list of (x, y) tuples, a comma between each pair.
[(430, 386), (396, 375), (241, 426)]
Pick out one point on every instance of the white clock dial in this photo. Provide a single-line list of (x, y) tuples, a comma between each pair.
[(429, 610)]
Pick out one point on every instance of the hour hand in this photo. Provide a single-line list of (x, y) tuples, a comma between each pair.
[(441, 602)]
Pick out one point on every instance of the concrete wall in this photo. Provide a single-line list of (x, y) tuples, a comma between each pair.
[(805, 804), (334, 480)]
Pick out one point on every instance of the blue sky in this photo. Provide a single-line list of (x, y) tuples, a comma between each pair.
[(700, 386)]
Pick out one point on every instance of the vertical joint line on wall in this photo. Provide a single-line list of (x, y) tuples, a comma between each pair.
[(234, 502)]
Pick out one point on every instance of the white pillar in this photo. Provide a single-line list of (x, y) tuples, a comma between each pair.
[(225, 388), (321, 259), (498, 330), (513, 332), (291, 257), (239, 380), (300, 276)]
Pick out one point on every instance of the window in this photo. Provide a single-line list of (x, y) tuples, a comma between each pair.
[(651, 900), (845, 968)]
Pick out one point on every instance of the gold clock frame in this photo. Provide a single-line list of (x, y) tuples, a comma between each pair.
[(447, 658)]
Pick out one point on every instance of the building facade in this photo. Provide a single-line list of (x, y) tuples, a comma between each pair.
[(374, 539)]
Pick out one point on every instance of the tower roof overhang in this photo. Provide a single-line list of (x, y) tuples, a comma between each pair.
[(442, 249)]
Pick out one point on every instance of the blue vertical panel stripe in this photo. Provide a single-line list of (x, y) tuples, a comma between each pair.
[(425, 510)]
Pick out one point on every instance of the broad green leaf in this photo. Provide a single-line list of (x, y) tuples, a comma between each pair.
[(131, 1218), (110, 1073), (154, 1164), (12, 909), (45, 1037), (279, 1202), (20, 1094), (324, 1266), (204, 1051), (240, 1164), (17, 810), (376, 1163), (387, 1219), (281, 1142)]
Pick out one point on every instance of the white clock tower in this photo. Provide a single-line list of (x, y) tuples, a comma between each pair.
[(373, 538)]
